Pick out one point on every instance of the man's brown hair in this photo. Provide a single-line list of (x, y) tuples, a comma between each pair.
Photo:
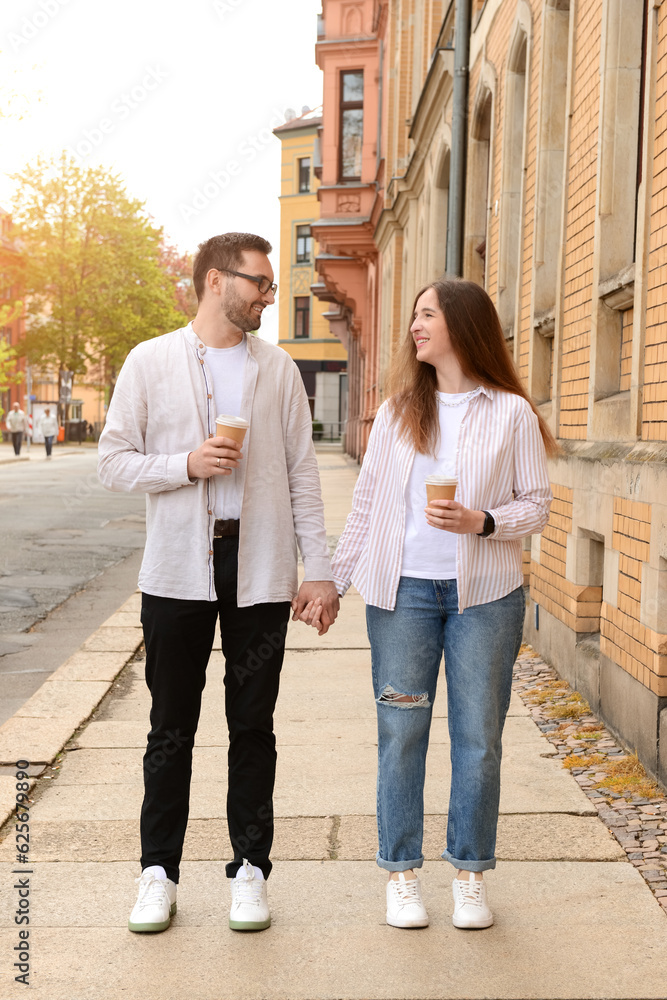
[(479, 344), (221, 252)]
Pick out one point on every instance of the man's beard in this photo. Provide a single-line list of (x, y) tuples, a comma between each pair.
[(238, 312)]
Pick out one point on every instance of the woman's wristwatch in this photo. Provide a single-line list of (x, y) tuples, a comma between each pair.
[(489, 525)]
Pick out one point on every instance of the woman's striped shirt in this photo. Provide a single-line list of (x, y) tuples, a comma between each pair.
[(501, 467)]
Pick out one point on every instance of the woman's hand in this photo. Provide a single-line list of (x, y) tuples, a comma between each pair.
[(311, 615), (450, 515)]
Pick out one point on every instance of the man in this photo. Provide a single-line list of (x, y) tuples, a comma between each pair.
[(48, 425), (222, 525), (16, 426)]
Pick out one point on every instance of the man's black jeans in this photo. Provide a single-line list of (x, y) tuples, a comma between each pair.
[(179, 637)]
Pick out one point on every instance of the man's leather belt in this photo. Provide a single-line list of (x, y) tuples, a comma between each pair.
[(225, 529)]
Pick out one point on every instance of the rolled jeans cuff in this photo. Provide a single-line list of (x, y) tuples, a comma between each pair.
[(398, 866), (470, 866)]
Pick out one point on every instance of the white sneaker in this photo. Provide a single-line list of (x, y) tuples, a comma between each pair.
[(470, 907), (155, 905), (404, 903), (250, 907)]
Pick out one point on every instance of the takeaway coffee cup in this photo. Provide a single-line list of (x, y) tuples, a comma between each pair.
[(440, 487), (231, 427)]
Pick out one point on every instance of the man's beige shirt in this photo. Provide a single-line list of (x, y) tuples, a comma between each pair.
[(163, 408)]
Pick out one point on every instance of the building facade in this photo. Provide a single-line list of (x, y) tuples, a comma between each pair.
[(563, 220), (11, 319), (304, 331)]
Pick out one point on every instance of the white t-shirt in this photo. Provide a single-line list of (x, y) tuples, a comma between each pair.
[(430, 553), (227, 366)]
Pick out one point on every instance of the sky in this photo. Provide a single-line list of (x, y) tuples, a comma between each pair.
[(179, 99)]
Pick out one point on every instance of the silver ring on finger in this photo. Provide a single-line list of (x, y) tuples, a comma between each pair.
[(218, 463)]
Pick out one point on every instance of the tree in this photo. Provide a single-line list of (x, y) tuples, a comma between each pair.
[(8, 371), (92, 278), (179, 268)]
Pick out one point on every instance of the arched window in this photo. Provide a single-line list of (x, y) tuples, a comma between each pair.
[(550, 184), (477, 207), (437, 250), (511, 198), (619, 175)]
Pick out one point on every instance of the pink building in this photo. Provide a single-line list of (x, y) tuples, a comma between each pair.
[(350, 168)]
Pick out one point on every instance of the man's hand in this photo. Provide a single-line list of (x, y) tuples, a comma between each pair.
[(215, 457), (450, 515), (317, 604)]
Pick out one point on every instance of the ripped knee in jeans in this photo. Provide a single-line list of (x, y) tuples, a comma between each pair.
[(390, 696)]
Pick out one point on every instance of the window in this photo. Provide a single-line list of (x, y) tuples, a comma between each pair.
[(512, 184), (304, 242), (304, 174), (549, 197), (477, 189), (302, 316), (351, 124)]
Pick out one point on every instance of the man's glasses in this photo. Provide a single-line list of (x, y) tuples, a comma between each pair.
[(264, 284)]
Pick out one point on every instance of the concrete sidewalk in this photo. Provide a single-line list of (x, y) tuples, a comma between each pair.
[(574, 919)]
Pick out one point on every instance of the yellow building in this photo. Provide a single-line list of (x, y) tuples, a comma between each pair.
[(304, 330)]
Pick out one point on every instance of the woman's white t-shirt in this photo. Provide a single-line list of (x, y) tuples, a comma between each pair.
[(227, 366), (430, 553)]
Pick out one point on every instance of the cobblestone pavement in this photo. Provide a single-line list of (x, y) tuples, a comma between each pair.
[(638, 823)]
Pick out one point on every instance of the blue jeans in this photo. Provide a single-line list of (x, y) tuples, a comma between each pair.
[(480, 648)]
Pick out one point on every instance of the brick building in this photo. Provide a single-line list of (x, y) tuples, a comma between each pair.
[(303, 328), (555, 201)]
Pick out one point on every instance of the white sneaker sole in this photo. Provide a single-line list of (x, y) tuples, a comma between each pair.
[(471, 925), (152, 928), (249, 925), (407, 924)]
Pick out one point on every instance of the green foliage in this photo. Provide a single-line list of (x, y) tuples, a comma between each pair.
[(8, 373), (90, 267)]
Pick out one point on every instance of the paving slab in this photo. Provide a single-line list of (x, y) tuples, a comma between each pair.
[(113, 639), (320, 946), (113, 733), (36, 740), (8, 803), (123, 619), (521, 837), (305, 838), (132, 604), (91, 666), (57, 698)]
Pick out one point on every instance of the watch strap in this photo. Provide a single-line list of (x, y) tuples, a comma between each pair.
[(489, 525)]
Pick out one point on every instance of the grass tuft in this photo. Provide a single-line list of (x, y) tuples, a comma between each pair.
[(591, 760), (628, 775)]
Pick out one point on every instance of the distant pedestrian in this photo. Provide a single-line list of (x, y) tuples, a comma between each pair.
[(48, 425), (16, 424)]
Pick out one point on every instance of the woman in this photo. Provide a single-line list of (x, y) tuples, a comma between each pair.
[(445, 577)]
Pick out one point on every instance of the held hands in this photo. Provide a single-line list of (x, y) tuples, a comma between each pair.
[(217, 456), (316, 604), (450, 515)]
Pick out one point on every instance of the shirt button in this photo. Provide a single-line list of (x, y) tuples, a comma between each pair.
[(209, 512), (210, 395), (210, 552), (201, 362), (202, 348)]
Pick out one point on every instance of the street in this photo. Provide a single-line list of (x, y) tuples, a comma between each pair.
[(67, 544)]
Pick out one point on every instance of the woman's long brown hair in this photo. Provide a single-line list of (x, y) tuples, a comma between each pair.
[(479, 344)]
